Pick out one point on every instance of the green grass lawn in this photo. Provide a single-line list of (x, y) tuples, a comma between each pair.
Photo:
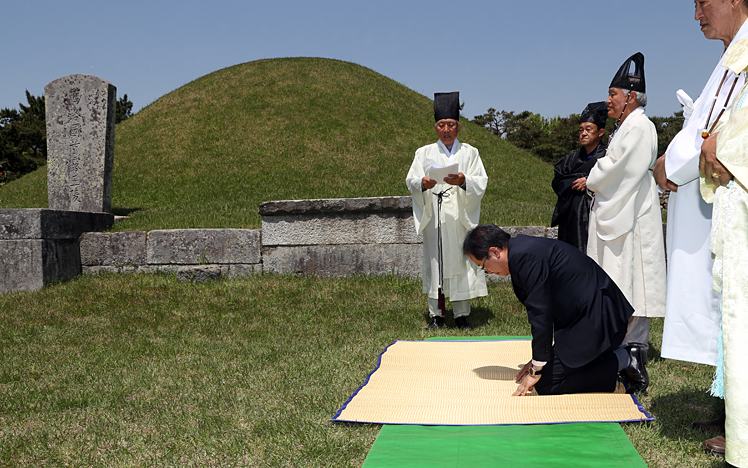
[(142, 370)]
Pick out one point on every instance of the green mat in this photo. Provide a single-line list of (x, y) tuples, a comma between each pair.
[(554, 445)]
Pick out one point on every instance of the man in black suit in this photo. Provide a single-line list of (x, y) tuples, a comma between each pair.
[(569, 299)]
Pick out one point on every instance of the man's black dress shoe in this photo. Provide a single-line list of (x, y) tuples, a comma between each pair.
[(436, 322), (645, 352), (715, 446), (635, 375), (717, 424), (462, 323)]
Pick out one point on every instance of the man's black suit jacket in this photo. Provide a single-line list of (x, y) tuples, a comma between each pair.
[(568, 298)]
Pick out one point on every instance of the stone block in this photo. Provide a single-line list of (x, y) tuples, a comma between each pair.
[(343, 260), (199, 273), (68, 258), (203, 246), (113, 248), (23, 264), (537, 231), (340, 228), (80, 143), (119, 269), (50, 224), (240, 270), (552, 233), (98, 270), (499, 279), (31, 264), (336, 205)]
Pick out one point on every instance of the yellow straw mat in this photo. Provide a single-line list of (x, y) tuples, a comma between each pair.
[(471, 383)]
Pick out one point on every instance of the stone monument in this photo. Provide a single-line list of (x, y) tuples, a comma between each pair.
[(80, 143), (40, 246)]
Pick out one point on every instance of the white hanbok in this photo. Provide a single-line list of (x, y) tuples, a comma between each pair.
[(460, 212), (625, 232), (692, 317), (729, 244)]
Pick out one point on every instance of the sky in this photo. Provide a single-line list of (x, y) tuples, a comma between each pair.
[(550, 57)]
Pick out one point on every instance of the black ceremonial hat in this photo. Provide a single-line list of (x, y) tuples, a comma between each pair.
[(596, 113), (447, 106), (631, 74)]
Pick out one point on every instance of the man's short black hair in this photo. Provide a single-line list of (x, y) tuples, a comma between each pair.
[(483, 237)]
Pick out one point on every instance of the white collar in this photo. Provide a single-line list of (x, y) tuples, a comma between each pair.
[(447, 151), (637, 111)]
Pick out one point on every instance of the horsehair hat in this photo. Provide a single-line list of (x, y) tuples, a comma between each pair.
[(447, 106), (596, 113), (628, 78)]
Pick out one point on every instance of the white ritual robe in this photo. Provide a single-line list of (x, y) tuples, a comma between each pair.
[(729, 243), (625, 233), (692, 318), (460, 212)]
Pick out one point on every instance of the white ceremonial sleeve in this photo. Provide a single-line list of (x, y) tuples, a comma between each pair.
[(422, 206), (621, 180), (476, 181), (682, 161), (682, 155)]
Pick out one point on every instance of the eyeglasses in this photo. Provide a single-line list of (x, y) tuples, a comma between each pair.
[(483, 265)]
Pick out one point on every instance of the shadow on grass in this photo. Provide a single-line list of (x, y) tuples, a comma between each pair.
[(654, 353), (124, 211), (479, 316), (676, 412)]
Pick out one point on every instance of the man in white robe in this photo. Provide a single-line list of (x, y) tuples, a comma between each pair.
[(461, 196), (724, 181), (692, 316), (625, 233)]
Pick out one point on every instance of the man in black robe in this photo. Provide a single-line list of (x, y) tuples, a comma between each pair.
[(570, 178), (577, 314)]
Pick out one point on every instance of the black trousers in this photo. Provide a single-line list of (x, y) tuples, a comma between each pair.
[(600, 375)]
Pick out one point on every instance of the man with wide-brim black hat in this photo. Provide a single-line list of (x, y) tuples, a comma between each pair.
[(444, 211), (571, 214), (625, 234)]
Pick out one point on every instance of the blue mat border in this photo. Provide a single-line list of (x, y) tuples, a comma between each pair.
[(649, 417)]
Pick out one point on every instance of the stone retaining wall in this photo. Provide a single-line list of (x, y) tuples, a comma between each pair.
[(339, 237), (191, 253), (326, 237)]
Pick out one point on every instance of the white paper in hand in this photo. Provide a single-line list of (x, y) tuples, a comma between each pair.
[(438, 173)]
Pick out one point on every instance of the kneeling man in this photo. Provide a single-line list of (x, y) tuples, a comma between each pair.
[(569, 299)]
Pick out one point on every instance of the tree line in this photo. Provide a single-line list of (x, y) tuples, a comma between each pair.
[(550, 139), (23, 135)]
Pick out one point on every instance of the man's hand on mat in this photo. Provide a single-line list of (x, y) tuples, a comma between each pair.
[(527, 381)]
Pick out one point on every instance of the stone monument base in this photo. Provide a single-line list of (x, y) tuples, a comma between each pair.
[(40, 247)]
